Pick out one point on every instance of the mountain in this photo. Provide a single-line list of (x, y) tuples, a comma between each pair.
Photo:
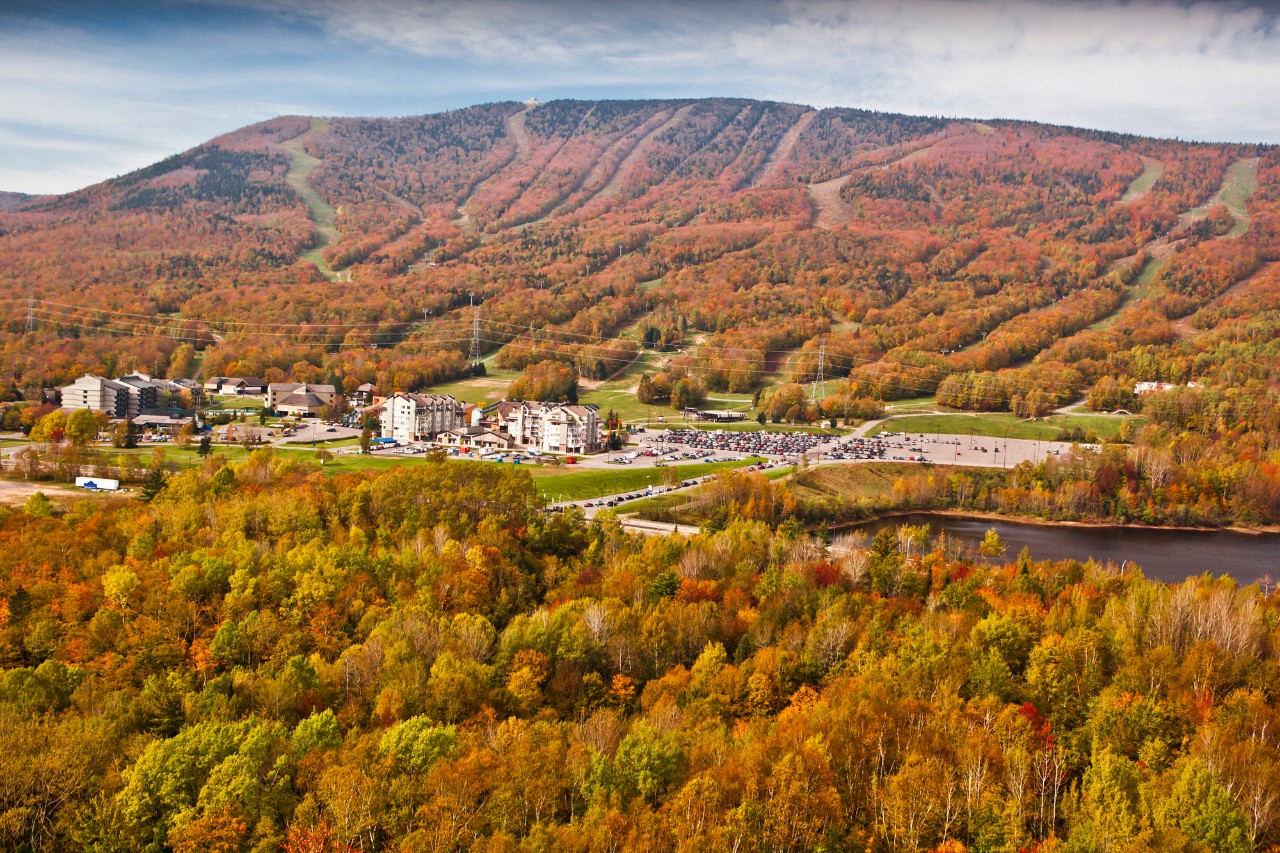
[(1000, 264), (9, 200)]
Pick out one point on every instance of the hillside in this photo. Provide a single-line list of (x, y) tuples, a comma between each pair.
[(998, 265), (9, 200)]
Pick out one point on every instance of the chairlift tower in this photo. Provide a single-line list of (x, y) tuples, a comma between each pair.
[(819, 392), (475, 331)]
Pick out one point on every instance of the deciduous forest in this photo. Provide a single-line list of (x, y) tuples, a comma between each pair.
[(266, 658), (260, 657)]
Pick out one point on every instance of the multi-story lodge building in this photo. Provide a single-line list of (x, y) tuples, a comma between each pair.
[(419, 417), (130, 396), (99, 394), (549, 427)]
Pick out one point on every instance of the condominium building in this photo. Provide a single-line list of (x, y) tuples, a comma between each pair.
[(549, 427), (419, 417), (99, 394)]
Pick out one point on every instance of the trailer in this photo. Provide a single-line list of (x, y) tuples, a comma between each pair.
[(98, 484)]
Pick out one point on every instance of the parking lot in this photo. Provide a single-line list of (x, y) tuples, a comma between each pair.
[(761, 443), (320, 431), (944, 449)]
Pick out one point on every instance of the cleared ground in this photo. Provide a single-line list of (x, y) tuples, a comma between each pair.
[(18, 492), (570, 484), (998, 425)]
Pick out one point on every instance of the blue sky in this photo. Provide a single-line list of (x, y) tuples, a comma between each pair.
[(90, 90)]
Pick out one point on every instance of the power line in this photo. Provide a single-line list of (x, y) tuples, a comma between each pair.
[(380, 333)]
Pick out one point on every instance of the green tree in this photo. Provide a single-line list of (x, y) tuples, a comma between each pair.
[(1204, 811), (992, 545), (152, 485), (1112, 815), (39, 506), (648, 763)]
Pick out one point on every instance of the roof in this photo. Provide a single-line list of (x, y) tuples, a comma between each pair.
[(160, 420), (302, 387), (426, 399), (102, 381), (308, 400)]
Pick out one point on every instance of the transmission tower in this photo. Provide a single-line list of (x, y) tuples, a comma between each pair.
[(475, 330), (819, 392), (31, 313)]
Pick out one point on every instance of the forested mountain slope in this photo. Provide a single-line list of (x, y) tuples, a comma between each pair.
[(1001, 265), (269, 657)]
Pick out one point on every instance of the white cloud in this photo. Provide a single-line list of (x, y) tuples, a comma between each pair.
[(1147, 66), (1204, 70)]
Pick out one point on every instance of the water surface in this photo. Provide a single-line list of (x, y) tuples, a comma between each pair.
[(1169, 555)]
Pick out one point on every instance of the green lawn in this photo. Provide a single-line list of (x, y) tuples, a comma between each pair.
[(574, 484), (929, 402), (225, 403), (998, 425), (490, 388)]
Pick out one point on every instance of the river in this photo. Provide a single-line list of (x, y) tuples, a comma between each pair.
[(1168, 555)]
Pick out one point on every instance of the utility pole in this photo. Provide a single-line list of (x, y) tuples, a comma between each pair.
[(475, 330)]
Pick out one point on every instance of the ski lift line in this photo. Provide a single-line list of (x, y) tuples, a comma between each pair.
[(699, 369), (142, 330), (302, 328), (833, 360), (219, 322), (390, 336), (704, 369), (172, 330)]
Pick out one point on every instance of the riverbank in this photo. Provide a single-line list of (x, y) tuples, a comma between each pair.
[(1163, 553), (1045, 522)]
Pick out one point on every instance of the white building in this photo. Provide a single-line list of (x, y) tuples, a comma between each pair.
[(419, 417), (1142, 388), (98, 394), (549, 427), (299, 397), (240, 386)]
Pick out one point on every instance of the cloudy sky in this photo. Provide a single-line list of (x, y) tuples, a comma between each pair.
[(90, 89)]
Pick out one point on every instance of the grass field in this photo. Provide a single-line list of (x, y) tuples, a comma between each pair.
[(223, 404), (573, 484), (554, 482), (1151, 172), (322, 213), (490, 388), (913, 403), (998, 425), (1238, 185), (870, 480), (1241, 183)]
